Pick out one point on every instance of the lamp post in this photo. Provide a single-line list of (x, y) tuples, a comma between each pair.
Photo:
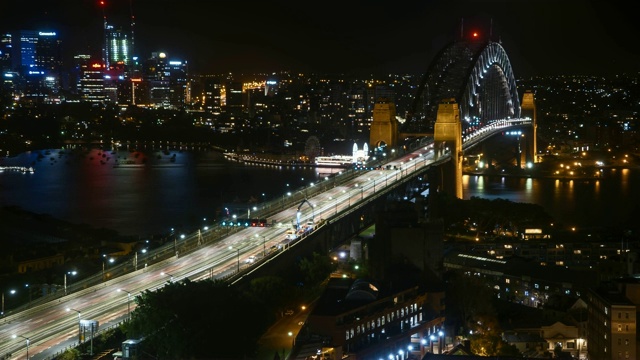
[(264, 245), (11, 292), (128, 302), (143, 251), (27, 339), (238, 250), (169, 275), (65, 279), (104, 257), (336, 207), (249, 211), (79, 325), (283, 195)]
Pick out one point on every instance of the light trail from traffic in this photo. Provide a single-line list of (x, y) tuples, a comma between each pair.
[(51, 329)]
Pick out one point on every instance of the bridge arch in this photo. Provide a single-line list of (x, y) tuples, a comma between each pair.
[(469, 85), (478, 75), (490, 92)]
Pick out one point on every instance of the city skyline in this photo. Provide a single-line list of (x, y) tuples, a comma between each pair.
[(359, 36)]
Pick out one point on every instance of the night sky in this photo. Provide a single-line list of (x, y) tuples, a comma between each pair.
[(400, 36)]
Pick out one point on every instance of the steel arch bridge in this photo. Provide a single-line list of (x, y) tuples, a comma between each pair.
[(478, 75), (468, 90)]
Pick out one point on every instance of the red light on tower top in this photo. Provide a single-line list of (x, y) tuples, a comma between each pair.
[(475, 35)]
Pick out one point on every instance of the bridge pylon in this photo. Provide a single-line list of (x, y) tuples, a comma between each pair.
[(528, 109), (448, 134), (384, 128)]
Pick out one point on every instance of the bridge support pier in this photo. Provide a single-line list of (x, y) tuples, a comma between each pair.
[(448, 137), (528, 109)]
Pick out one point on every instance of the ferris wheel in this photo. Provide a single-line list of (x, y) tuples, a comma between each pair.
[(312, 147)]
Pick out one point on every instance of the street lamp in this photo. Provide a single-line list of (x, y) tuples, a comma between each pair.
[(264, 244), (11, 292), (27, 339), (79, 325), (111, 260), (65, 279), (283, 195), (169, 275), (143, 251), (128, 302), (231, 248)]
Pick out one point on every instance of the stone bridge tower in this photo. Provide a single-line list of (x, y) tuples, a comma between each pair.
[(528, 109), (448, 135), (384, 128)]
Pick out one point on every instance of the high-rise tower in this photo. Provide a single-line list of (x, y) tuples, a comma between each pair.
[(117, 47)]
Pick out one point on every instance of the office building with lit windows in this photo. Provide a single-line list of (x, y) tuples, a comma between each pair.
[(91, 85), (358, 319), (212, 95), (117, 47), (612, 320), (167, 81)]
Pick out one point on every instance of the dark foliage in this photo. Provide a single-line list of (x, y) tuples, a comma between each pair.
[(198, 320)]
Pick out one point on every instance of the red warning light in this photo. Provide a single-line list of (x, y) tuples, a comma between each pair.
[(475, 34), (101, 3)]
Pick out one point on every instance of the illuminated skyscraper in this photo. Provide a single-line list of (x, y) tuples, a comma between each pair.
[(48, 55), (117, 47), (212, 95), (5, 52), (91, 83), (167, 81), (23, 50)]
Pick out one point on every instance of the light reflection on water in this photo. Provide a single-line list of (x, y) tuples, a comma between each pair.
[(608, 201), (140, 199), (150, 199)]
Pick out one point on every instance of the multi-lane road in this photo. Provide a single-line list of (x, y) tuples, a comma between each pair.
[(48, 329)]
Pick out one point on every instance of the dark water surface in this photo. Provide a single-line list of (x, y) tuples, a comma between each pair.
[(153, 192)]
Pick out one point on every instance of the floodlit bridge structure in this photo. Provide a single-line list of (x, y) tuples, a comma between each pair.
[(468, 94)]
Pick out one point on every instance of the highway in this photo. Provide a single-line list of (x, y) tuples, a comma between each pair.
[(46, 330)]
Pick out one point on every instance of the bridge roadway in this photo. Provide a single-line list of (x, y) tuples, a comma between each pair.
[(51, 328)]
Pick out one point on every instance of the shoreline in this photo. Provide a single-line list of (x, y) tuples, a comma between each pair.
[(548, 175)]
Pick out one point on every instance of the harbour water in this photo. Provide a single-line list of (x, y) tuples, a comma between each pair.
[(140, 194)]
